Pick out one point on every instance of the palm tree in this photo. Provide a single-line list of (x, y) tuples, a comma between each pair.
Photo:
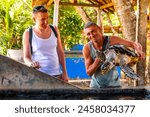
[(127, 17)]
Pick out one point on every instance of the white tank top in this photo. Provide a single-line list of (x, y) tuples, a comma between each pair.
[(45, 52)]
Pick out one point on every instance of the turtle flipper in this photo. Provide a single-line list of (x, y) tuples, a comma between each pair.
[(130, 72)]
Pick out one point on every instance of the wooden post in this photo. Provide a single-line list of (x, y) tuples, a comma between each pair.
[(148, 48), (147, 74), (135, 82), (99, 19), (137, 21), (56, 12)]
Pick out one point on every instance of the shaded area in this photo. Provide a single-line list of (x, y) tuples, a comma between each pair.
[(130, 93)]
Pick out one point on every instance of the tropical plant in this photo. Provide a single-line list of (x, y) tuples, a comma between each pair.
[(70, 25), (15, 18)]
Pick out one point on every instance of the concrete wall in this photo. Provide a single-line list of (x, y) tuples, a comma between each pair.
[(15, 75)]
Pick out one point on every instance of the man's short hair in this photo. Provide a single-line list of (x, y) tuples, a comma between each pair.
[(90, 24), (39, 8)]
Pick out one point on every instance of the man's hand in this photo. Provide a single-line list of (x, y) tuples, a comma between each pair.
[(35, 64), (138, 50), (100, 55), (65, 77)]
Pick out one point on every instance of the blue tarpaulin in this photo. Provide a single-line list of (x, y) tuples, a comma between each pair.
[(77, 47), (76, 68)]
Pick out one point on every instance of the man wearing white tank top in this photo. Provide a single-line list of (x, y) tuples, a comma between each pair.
[(47, 54)]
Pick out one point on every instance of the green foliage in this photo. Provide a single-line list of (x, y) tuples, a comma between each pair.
[(16, 17), (70, 26), (14, 20), (113, 17)]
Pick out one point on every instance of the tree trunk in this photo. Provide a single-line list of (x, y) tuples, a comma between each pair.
[(83, 14), (141, 66), (127, 18), (111, 25)]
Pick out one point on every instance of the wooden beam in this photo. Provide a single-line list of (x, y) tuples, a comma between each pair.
[(103, 7), (106, 6), (101, 1), (78, 4), (107, 29), (91, 1)]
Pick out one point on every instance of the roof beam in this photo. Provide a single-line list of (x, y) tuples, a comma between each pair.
[(106, 6), (103, 7), (101, 1), (78, 4)]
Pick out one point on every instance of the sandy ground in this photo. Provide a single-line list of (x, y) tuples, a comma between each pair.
[(80, 83), (85, 83)]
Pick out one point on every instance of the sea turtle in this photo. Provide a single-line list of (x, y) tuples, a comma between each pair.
[(118, 55)]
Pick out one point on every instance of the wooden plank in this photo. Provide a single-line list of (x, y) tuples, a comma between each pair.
[(106, 6), (78, 4)]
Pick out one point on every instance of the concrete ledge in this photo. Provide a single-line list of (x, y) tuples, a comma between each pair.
[(78, 94), (147, 92), (18, 81), (15, 75)]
